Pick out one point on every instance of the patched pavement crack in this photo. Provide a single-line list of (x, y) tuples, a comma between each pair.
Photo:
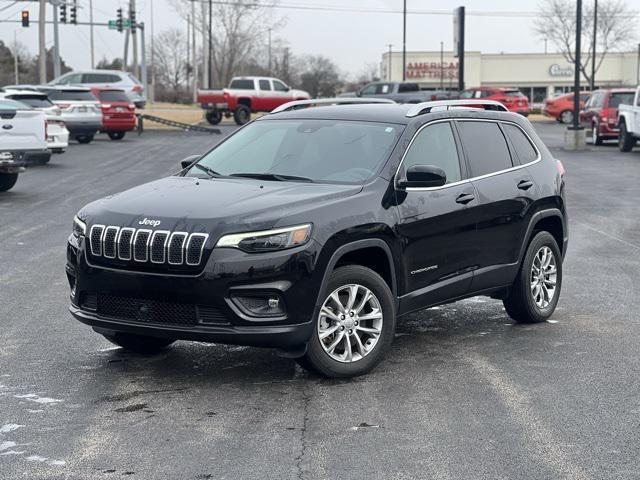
[(303, 433)]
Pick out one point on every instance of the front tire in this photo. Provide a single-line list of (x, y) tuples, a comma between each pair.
[(7, 181), (242, 114), (355, 325), (116, 135), (84, 139), (534, 294), (625, 139), (138, 343)]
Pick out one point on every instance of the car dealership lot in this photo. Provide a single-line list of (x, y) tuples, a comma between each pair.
[(464, 393)]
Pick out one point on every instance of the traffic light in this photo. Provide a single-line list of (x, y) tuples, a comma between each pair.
[(119, 20), (25, 18), (132, 19), (63, 13), (73, 12)]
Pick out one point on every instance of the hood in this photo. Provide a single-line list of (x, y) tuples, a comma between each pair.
[(299, 94), (214, 206)]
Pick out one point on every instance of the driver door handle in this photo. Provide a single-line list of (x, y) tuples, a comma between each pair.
[(465, 198), (525, 184)]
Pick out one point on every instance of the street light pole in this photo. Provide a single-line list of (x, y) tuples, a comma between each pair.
[(576, 77), (638, 67), (210, 46), (441, 66), (42, 52), (593, 53), (56, 43), (404, 41), (389, 72)]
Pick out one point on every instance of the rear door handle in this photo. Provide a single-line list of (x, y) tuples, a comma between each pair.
[(525, 184), (465, 198)]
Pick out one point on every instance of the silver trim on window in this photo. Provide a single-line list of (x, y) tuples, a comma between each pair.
[(466, 180), (427, 107), (205, 237)]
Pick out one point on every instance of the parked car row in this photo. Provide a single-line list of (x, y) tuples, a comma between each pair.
[(61, 113)]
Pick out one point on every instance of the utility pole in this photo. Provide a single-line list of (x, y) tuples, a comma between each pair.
[(638, 67), (210, 46), (576, 76), (56, 42), (595, 42), (143, 56), (134, 39), (441, 66), (15, 57), (42, 52), (389, 73), (404, 41), (125, 57), (193, 53), (93, 58), (152, 90), (269, 68)]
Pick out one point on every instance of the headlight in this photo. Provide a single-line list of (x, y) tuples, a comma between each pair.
[(268, 240), (79, 227)]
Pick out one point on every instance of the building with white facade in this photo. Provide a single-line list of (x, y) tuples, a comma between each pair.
[(537, 75)]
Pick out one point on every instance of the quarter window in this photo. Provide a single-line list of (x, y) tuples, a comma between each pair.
[(526, 152), (485, 147), (435, 145)]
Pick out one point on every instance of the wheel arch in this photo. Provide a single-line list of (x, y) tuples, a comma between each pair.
[(549, 220), (246, 101)]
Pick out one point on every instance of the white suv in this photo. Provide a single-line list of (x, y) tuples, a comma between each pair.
[(106, 79)]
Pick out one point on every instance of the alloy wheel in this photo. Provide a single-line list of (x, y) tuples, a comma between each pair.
[(544, 274), (350, 323)]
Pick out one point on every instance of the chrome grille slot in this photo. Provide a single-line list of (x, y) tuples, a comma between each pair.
[(109, 242), (141, 245), (195, 246), (146, 246), (95, 238), (125, 243), (177, 241), (158, 245)]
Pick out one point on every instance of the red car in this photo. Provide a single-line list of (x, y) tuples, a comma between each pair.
[(561, 107), (600, 114), (512, 98), (118, 113)]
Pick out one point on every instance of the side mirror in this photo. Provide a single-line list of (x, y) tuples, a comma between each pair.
[(424, 176), (186, 163)]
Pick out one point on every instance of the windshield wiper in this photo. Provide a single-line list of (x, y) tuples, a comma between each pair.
[(273, 176), (212, 173)]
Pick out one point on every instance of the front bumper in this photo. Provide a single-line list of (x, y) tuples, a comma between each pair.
[(200, 307)]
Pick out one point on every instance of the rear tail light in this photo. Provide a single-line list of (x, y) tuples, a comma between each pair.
[(560, 168), (64, 106), (137, 88), (106, 106), (434, 97), (131, 106)]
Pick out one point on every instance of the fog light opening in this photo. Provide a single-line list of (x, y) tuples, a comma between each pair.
[(259, 304)]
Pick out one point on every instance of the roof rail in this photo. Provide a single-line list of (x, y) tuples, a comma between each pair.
[(426, 107), (297, 104)]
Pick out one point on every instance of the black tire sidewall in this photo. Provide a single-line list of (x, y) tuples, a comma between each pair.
[(116, 135), (242, 114), (7, 181), (214, 117), (541, 239), (319, 360)]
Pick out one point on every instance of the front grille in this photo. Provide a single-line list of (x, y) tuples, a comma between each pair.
[(160, 247), (158, 311)]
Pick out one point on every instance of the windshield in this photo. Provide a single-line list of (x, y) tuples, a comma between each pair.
[(35, 101), (330, 151), (113, 96), (616, 99)]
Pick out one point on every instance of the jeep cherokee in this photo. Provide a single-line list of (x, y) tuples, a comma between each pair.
[(312, 229)]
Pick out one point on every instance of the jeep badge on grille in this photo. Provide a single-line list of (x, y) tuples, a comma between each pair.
[(146, 221)]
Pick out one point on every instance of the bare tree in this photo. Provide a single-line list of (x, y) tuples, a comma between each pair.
[(171, 62), (369, 73), (239, 30), (319, 76), (615, 29)]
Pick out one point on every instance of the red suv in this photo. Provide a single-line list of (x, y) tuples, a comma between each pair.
[(561, 107), (118, 113), (512, 98), (600, 114)]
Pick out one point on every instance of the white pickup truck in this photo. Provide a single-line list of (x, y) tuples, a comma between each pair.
[(22, 132), (629, 123)]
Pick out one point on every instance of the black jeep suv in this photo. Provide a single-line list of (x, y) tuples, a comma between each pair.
[(312, 230)]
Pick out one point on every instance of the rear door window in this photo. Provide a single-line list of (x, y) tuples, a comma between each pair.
[(408, 87), (265, 85), (620, 98), (523, 147), (435, 145), (485, 147)]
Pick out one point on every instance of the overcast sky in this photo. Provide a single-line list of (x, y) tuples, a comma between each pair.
[(351, 39)]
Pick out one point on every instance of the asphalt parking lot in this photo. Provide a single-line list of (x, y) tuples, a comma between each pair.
[(464, 393)]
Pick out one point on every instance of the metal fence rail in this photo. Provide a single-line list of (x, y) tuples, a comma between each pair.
[(172, 123)]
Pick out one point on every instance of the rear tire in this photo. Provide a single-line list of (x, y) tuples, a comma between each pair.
[(214, 117), (242, 114), (535, 292), (566, 117), (7, 181), (138, 343), (116, 135), (360, 328), (625, 139), (84, 139)]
